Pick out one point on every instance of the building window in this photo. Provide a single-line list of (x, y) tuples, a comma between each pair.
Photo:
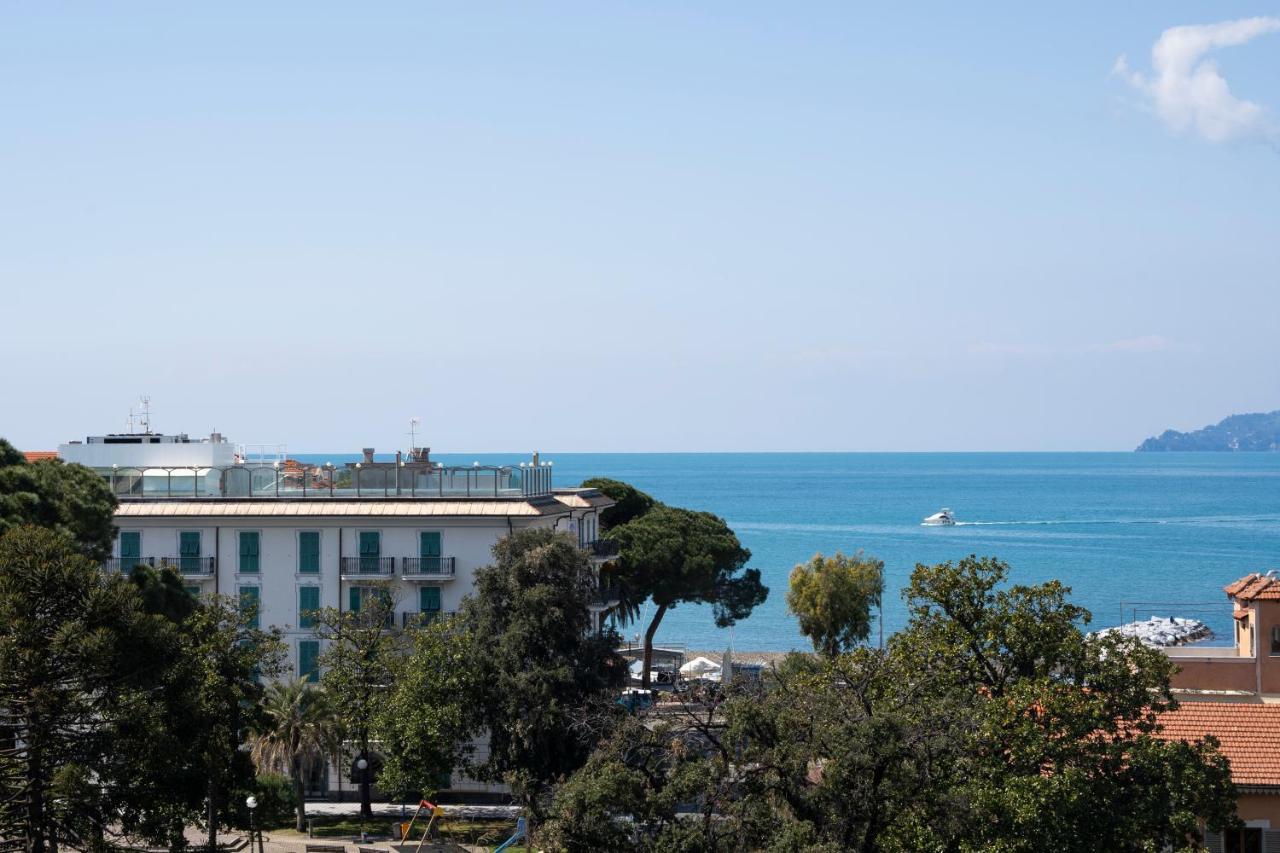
[(308, 604), (193, 591), (250, 601), (249, 547), (1275, 639), (189, 551), (370, 550), (429, 549), (359, 596), (309, 660), (429, 601), (130, 549), (1247, 840), (309, 551)]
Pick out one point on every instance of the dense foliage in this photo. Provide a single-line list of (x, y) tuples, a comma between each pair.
[(70, 499), (673, 556), (991, 723), (544, 677), (833, 598)]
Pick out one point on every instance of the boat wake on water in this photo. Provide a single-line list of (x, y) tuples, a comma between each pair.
[(1056, 521)]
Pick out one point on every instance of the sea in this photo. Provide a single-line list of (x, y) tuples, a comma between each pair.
[(1132, 534)]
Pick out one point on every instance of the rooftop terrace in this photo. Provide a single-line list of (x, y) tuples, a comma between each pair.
[(292, 479)]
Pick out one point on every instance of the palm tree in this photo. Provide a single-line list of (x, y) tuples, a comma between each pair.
[(298, 729)]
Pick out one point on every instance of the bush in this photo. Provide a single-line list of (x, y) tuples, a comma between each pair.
[(277, 806)]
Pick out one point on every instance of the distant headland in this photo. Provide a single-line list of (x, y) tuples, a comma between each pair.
[(1256, 431)]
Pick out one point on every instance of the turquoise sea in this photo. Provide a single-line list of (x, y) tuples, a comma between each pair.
[(1149, 533)]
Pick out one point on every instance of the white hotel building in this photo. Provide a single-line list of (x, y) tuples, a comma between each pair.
[(291, 538)]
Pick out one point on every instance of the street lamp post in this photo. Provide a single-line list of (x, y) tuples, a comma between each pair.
[(252, 802), (362, 764)]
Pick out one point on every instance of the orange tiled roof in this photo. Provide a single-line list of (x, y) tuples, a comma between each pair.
[(1247, 734), (1254, 587), (38, 455)]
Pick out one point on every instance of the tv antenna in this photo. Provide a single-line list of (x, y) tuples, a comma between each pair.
[(142, 418), (414, 423)]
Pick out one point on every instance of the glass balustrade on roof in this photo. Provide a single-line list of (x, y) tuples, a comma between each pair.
[(354, 481)]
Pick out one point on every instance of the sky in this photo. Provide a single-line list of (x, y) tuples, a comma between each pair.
[(640, 226)]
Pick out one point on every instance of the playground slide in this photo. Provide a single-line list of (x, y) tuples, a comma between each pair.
[(518, 836)]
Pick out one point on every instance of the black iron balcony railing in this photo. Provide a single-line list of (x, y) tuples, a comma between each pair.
[(369, 566), (421, 618), (602, 548), (191, 566), (126, 564), (606, 595), (426, 567)]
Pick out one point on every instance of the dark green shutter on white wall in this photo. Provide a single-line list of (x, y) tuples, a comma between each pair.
[(249, 551), (308, 602), (250, 598), (353, 599), (429, 599), (130, 549), (309, 551), (370, 550), (309, 660), (189, 550)]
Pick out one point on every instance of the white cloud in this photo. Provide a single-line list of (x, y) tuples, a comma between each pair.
[(1187, 91), (1146, 343)]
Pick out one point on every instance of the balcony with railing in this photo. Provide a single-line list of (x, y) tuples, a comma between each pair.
[(126, 564), (602, 549), (367, 568), (422, 618), (426, 568), (357, 481), (190, 566), (605, 595)]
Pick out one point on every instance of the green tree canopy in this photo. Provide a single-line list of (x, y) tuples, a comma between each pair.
[(426, 725), (297, 728), (991, 723), (70, 499), (81, 665), (543, 672), (833, 598), (676, 556), (629, 502), (358, 670)]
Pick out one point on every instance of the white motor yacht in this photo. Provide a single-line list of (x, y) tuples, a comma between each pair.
[(942, 517)]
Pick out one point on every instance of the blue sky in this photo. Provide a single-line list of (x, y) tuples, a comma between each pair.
[(639, 226)]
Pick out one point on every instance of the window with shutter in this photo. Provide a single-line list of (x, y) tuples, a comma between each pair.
[(370, 550), (429, 599), (189, 550), (130, 548), (429, 550), (249, 551), (309, 660), (250, 598), (309, 551), (354, 598), (308, 603)]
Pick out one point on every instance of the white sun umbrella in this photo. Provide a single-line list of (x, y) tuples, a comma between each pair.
[(699, 666)]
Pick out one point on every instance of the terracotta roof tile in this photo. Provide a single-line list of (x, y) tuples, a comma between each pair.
[(1247, 734), (39, 455), (1254, 587)]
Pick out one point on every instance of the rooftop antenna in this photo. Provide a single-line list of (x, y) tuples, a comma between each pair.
[(414, 423), (144, 402)]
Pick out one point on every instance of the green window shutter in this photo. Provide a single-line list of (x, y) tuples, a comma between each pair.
[(308, 603), (250, 598), (249, 550), (429, 599), (189, 543), (370, 543), (309, 551), (429, 544), (353, 599), (189, 550), (309, 660), (130, 548), (193, 591)]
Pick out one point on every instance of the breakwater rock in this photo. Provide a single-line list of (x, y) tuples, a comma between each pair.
[(1163, 631)]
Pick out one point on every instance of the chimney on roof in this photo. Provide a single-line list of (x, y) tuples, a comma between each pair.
[(368, 454)]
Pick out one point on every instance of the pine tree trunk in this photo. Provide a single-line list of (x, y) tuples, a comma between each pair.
[(298, 792), (648, 644)]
